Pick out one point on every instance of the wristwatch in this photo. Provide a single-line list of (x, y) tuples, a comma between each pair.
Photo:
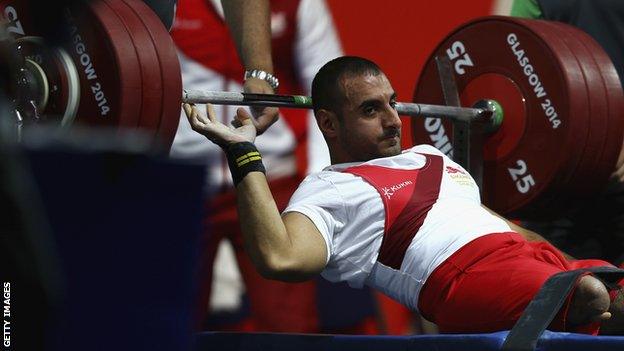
[(264, 75)]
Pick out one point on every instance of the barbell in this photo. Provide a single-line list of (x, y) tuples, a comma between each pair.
[(556, 141), (492, 114)]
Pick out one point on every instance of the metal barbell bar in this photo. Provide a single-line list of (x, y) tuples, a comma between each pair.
[(491, 114)]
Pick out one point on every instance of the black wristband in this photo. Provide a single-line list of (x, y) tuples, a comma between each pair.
[(242, 159)]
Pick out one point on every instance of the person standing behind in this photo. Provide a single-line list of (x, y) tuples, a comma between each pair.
[(303, 39)]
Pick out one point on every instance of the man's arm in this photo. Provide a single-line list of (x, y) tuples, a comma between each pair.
[(527, 234), (288, 248), (250, 24)]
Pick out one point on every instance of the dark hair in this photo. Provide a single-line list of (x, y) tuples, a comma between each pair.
[(326, 89)]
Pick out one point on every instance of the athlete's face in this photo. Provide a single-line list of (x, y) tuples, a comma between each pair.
[(369, 125)]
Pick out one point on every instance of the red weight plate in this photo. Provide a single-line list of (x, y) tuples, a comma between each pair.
[(615, 105), (583, 181), (151, 106), (573, 185), (582, 111), (577, 114), (109, 67), (527, 71), (170, 70)]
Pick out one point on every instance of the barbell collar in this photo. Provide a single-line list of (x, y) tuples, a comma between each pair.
[(464, 114)]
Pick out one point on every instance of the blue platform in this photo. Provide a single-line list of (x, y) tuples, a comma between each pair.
[(549, 341)]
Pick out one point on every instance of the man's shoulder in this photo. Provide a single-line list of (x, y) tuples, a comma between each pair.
[(327, 176), (318, 190), (329, 183), (425, 149)]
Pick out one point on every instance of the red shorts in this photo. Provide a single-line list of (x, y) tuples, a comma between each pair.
[(486, 285)]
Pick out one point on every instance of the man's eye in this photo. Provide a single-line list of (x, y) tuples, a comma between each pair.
[(369, 110)]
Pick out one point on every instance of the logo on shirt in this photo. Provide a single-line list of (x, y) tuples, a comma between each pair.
[(388, 191), (460, 176), (453, 170)]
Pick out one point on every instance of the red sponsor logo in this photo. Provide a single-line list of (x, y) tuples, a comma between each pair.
[(453, 170)]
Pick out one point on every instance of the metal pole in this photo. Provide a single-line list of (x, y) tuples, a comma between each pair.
[(465, 114)]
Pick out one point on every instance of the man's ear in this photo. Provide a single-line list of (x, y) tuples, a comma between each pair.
[(328, 123)]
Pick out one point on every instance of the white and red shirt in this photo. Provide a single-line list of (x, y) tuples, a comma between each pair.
[(389, 222), (303, 39)]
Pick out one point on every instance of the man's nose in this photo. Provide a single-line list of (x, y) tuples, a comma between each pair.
[(392, 119)]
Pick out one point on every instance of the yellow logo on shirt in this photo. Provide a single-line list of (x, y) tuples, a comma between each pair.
[(460, 176)]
